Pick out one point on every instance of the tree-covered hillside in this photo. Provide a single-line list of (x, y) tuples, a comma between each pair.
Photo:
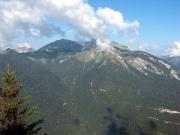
[(83, 90)]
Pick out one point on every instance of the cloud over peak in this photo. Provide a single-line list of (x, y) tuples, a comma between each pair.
[(176, 50), (26, 18)]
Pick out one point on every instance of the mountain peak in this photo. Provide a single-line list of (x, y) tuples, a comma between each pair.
[(134, 61), (7, 50), (58, 47), (78, 80)]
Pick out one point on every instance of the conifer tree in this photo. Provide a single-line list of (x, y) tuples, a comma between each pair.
[(15, 113)]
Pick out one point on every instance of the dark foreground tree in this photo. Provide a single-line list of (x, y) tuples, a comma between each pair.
[(15, 113)]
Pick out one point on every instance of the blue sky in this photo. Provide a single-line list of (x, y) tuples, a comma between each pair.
[(159, 20), (156, 21)]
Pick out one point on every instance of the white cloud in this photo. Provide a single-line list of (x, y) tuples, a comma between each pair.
[(103, 44), (20, 18), (153, 48), (35, 32), (176, 50), (141, 47), (116, 20), (80, 16), (23, 47), (23, 17), (61, 4)]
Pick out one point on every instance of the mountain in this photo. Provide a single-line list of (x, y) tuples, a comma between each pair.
[(24, 49), (19, 49), (57, 49), (175, 61), (86, 90)]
